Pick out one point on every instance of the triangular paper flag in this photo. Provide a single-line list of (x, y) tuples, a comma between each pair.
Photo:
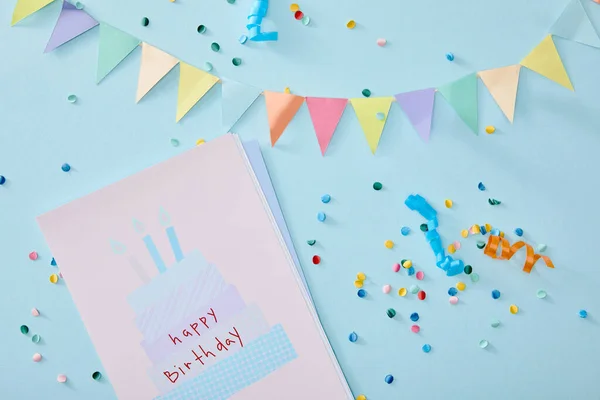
[(193, 85), (462, 96), (545, 60), (114, 46), (372, 114), (418, 107), (236, 99), (71, 23), (574, 24), (502, 84), (325, 114), (154, 66), (281, 108), (25, 8)]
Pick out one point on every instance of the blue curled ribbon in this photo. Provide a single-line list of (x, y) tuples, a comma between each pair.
[(257, 13), (417, 203)]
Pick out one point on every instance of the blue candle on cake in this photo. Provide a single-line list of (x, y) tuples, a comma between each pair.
[(158, 261), (166, 220)]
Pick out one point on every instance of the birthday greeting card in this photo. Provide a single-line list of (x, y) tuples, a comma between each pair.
[(187, 288)]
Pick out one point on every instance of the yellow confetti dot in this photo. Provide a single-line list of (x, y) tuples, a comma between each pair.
[(402, 292), (451, 249), (294, 7), (464, 233), (461, 286), (351, 24), (200, 141), (448, 203), (488, 228), (389, 244), (501, 234), (358, 284), (490, 129), (475, 229), (53, 278), (513, 309), (361, 276), (361, 397), (407, 264), (287, 90)]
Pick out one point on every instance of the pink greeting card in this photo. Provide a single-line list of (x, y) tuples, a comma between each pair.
[(186, 286)]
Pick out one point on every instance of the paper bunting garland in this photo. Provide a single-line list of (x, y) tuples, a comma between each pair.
[(281, 108), (24, 8), (418, 107), (372, 113), (545, 60), (574, 24), (70, 24), (502, 83), (193, 85), (462, 96), (236, 100), (155, 64), (114, 47), (325, 115)]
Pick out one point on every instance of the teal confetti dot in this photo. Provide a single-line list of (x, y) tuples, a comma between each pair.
[(495, 323), (311, 242), (305, 20), (24, 329), (236, 61), (79, 5), (483, 343), (72, 98), (36, 338), (474, 277), (174, 142), (96, 376), (215, 46), (201, 29), (380, 116), (208, 66), (145, 21), (366, 93), (494, 202)]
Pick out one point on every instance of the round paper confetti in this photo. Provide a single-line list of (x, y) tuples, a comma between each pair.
[(495, 323), (326, 198), (24, 329), (513, 309), (423, 227), (96, 375), (420, 275), (174, 142), (386, 289), (231, 1), (243, 39), (388, 244), (79, 5), (35, 312), (414, 317), (391, 313), (468, 269), (464, 233), (294, 7), (414, 289), (453, 300), (422, 295), (53, 278), (474, 277), (451, 249), (200, 141), (481, 186), (519, 232), (494, 202), (452, 291), (358, 284), (541, 294), (461, 286), (456, 245), (298, 15), (389, 379), (380, 116), (215, 46), (311, 242), (415, 328), (65, 167), (208, 66), (37, 357), (448, 203), (483, 343), (61, 378), (541, 248), (353, 337), (396, 267), (583, 314), (351, 24), (366, 93), (316, 260), (201, 29), (145, 21), (361, 293), (480, 244), (406, 263), (490, 129), (287, 90), (362, 396), (426, 348), (305, 20), (321, 216), (402, 292), (405, 230), (236, 61), (72, 98), (2, 180), (449, 56), (495, 294), (33, 256), (36, 338), (410, 271), (361, 276), (381, 42), (377, 186)]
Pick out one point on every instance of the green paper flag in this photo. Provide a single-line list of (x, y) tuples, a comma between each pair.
[(462, 96), (115, 46)]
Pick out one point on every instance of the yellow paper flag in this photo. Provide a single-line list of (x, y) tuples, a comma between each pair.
[(25, 8), (372, 114), (545, 60), (193, 85), (154, 66), (502, 84)]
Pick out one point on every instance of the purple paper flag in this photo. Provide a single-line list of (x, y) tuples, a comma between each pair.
[(418, 107), (71, 23)]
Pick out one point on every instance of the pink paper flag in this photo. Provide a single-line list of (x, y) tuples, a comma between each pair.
[(325, 114), (71, 23), (418, 107)]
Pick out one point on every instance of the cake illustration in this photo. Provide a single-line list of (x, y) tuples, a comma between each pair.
[(203, 340)]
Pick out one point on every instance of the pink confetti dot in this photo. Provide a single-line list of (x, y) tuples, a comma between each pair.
[(396, 267), (420, 275), (381, 42), (33, 256), (386, 289), (457, 245), (37, 357), (415, 328), (61, 378), (35, 312), (453, 299)]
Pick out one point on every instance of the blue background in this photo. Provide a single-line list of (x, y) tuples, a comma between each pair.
[(543, 169)]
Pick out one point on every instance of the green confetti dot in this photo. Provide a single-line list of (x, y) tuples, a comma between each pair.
[(71, 98), (79, 5), (495, 323), (380, 116), (480, 244), (215, 46), (208, 66), (391, 312), (305, 20), (474, 277), (468, 269), (24, 329), (36, 338), (541, 248), (311, 242), (366, 93), (236, 61), (96, 375), (145, 21), (494, 202), (423, 228), (231, 1), (201, 29), (377, 186), (541, 294), (174, 142)]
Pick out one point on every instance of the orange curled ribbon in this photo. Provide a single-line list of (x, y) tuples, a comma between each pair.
[(491, 250)]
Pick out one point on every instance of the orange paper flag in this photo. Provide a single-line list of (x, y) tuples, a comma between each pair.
[(281, 108)]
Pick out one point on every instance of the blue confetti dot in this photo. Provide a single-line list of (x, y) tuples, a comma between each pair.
[(414, 317), (583, 314), (65, 167), (452, 291), (519, 232), (495, 232), (362, 293), (389, 379), (2, 180), (482, 229), (426, 348), (449, 56), (481, 186), (410, 271), (243, 39), (326, 198), (353, 337), (405, 230), (321, 216), (495, 294)]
